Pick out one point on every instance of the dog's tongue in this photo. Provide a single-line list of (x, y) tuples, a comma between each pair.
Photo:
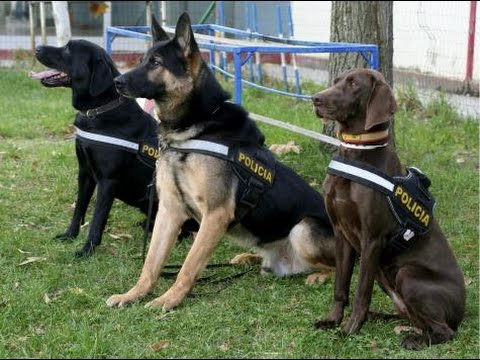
[(43, 74)]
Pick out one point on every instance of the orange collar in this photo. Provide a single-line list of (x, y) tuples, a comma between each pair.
[(366, 138)]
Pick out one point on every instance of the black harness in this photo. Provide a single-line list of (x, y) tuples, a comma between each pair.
[(252, 164), (146, 150), (408, 197)]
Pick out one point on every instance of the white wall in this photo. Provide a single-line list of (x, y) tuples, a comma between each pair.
[(429, 36)]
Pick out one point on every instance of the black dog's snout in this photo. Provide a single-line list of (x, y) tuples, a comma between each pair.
[(120, 82), (38, 50)]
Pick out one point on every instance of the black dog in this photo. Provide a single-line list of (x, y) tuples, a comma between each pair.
[(109, 127)]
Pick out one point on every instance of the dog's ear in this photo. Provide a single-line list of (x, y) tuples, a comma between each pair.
[(101, 78), (184, 35), (158, 34), (381, 105)]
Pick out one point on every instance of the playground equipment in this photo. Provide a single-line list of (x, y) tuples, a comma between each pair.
[(242, 45)]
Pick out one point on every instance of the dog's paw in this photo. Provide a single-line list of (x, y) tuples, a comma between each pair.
[(246, 259), (324, 324), (352, 326), (317, 278), (167, 301), (85, 252), (413, 342), (118, 300), (65, 237)]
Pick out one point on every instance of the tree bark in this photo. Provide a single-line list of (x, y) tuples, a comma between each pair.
[(367, 22)]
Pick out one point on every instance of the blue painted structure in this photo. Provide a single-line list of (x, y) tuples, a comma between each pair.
[(242, 52)]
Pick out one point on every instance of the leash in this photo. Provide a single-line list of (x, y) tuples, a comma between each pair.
[(151, 195)]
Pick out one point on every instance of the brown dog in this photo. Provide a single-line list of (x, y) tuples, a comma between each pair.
[(423, 279)]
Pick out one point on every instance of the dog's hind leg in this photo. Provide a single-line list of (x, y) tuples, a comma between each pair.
[(431, 307), (165, 232), (212, 227), (86, 187)]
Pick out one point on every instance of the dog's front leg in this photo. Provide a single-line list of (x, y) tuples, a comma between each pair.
[(369, 259), (212, 227), (105, 197), (344, 263), (86, 187), (165, 232)]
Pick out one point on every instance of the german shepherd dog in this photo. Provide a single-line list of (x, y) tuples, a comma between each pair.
[(287, 224)]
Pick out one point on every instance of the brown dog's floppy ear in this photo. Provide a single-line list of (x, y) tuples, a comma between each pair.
[(158, 34), (184, 35), (101, 78), (381, 105)]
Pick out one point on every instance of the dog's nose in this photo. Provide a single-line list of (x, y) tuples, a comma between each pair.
[(317, 99), (120, 82), (38, 50)]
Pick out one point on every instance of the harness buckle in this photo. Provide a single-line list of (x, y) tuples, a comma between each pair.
[(91, 113), (252, 192)]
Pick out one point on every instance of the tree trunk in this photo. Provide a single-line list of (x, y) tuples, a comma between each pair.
[(367, 22), (62, 22)]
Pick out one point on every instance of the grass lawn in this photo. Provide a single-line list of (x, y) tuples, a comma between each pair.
[(53, 305)]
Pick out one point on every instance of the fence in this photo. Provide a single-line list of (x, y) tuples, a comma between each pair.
[(430, 37)]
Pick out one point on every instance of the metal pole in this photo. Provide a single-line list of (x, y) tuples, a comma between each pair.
[(282, 55), (43, 30), (107, 20), (163, 9), (31, 19), (258, 61), (298, 89), (148, 20), (237, 61), (471, 41)]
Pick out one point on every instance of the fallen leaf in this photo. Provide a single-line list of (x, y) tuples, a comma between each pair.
[(77, 291), (281, 149), (227, 345), (23, 251), (120, 236), (46, 299), (402, 328), (468, 280), (86, 224), (163, 316), (32, 259), (97, 8), (159, 345)]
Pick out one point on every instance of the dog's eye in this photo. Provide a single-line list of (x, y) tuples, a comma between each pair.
[(155, 61)]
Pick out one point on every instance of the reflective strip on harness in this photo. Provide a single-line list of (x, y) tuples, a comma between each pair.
[(202, 145), (146, 151), (106, 139), (364, 174)]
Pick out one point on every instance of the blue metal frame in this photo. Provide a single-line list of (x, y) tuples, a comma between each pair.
[(276, 45)]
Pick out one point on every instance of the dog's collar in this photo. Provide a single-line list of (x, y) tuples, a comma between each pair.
[(91, 113), (213, 112), (365, 141)]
